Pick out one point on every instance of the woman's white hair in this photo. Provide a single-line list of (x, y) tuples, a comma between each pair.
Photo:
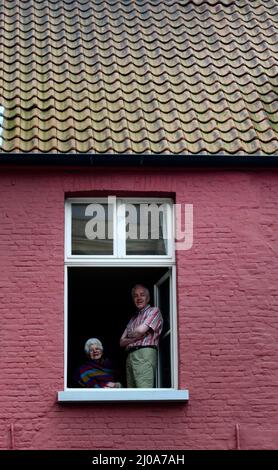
[(89, 343)]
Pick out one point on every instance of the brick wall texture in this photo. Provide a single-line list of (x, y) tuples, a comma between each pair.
[(227, 314)]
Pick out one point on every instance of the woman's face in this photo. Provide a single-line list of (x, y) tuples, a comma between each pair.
[(95, 352)]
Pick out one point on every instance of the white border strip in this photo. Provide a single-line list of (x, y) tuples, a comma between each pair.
[(129, 395)]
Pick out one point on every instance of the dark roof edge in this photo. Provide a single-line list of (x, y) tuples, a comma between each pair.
[(170, 160)]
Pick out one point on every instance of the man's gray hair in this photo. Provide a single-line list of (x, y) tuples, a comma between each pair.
[(142, 287), (90, 342)]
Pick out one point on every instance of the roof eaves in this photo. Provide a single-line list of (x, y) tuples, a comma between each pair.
[(128, 160)]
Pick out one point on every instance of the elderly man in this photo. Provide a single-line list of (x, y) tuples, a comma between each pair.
[(140, 339)]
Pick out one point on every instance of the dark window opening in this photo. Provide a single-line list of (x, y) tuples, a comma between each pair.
[(100, 305)]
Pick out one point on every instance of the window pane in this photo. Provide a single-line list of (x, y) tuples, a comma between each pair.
[(92, 229), (165, 363), (165, 339), (146, 229)]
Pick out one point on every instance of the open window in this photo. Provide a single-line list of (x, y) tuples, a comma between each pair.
[(163, 291), (111, 245)]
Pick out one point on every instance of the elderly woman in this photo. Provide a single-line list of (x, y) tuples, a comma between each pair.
[(97, 371)]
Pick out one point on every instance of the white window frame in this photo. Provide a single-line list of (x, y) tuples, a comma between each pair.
[(119, 225), (120, 259), (173, 331)]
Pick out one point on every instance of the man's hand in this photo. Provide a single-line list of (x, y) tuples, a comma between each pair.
[(131, 335), (124, 341), (138, 332)]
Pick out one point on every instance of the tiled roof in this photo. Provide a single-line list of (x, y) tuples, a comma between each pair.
[(139, 76)]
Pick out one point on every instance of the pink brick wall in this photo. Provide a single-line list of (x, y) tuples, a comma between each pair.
[(227, 313)]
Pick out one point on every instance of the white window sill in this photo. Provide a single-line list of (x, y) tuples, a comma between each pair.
[(117, 395)]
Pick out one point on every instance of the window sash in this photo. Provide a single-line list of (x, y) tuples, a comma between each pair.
[(119, 258), (119, 230), (171, 274)]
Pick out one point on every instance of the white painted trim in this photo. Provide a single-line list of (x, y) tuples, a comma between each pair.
[(119, 225), (67, 229), (119, 259), (125, 199), (171, 274), (129, 395), (120, 248), (115, 229), (157, 304), (170, 232), (128, 259), (65, 326), (174, 327), (121, 262)]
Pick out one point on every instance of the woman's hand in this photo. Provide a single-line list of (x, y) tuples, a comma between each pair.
[(113, 385)]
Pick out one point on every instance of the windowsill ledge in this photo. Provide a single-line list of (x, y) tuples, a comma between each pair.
[(128, 395)]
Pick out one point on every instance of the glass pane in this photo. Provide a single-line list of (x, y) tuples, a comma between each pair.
[(164, 362), (146, 232), (165, 339), (92, 229), (164, 303)]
